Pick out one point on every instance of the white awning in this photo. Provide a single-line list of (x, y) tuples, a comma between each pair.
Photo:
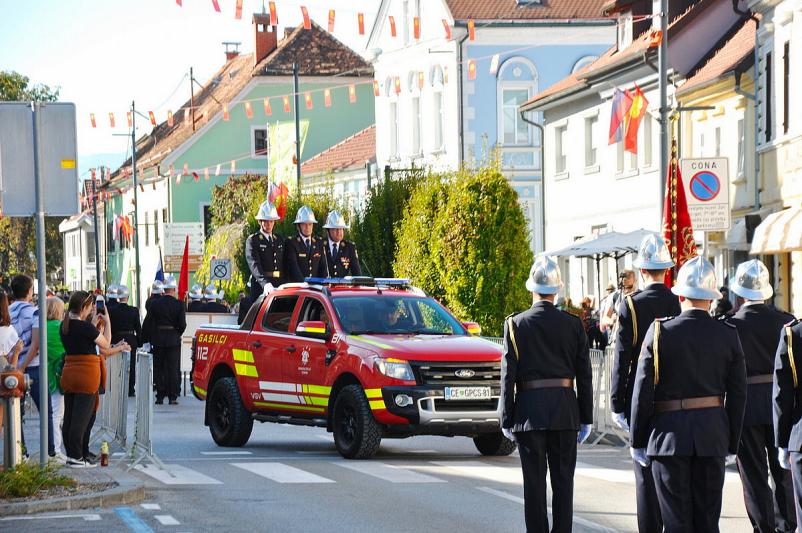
[(779, 233), (610, 244)]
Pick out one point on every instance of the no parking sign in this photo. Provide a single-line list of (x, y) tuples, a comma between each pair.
[(707, 190)]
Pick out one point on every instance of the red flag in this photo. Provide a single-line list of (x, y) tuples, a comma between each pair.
[(331, 21), (225, 112), (634, 117), (277, 195), (179, 3), (195, 176), (170, 119), (352, 93), (308, 99), (392, 26), (268, 111), (248, 110), (152, 117), (216, 5), (111, 120), (360, 18), (471, 30), (327, 97), (92, 120), (286, 103), (183, 277), (620, 109), (471, 69), (307, 21), (376, 91), (416, 27), (273, 15), (677, 229), (447, 27), (238, 12)]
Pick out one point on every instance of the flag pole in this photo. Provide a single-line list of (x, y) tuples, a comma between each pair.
[(662, 64)]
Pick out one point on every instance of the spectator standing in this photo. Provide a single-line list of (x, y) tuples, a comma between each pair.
[(127, 327), (55, 362), (10, 343)]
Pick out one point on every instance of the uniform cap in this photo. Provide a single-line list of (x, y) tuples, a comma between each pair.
[(196, 293), (752, 281), (169, 282), (267, 211), (335, 220), (122, 292), (305, 214), (157, 287), (697, 280), (211, 292), (653, 254), (544, 276), (112, 292)]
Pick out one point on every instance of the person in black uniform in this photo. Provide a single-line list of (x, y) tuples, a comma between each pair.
[(304, 253), (340, 254), (169, 322), (264, 252), (636, 313), (688, 404), (196, 303), (125, 326), (788, 406), (545, 355), (759, 326), (212, 300)]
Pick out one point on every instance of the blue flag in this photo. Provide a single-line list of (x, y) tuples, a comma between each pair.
[(160, 268)]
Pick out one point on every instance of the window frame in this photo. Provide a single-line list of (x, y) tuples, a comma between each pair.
[(254, 128), (591, 123), (264, 324)]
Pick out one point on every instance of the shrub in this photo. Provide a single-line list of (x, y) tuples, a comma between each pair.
[(227, 242), (26, 479)]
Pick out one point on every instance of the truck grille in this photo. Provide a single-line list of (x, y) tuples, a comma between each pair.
[(465, 405), (488, 373)]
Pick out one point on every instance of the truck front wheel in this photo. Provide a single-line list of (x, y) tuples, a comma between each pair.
[(493, 444), (229, 422), (356, 433)]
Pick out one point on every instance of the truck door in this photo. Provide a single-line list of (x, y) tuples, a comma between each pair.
[(305, 362), (267, 344)]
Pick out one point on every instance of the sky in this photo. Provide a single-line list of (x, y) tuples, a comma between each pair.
[(104, 54)]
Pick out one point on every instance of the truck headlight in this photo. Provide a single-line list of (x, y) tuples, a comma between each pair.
[(395, 368)]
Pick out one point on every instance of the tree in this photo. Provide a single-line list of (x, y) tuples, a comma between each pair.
[(18, 234)]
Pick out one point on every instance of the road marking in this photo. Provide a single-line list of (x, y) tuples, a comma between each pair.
[(478, 470), (232, 452), (166, 520), (90, 517), (181, 475), (130, 519), (281, 473), (605, 474), (391, 473), (577, 520), (151, 506)]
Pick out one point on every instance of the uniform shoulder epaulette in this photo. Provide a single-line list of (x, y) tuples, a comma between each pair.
[(664, 318), (723, 320), (793, 322), (510, 315)]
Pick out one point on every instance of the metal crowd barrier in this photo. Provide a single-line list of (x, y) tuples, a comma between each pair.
[(602, 364), (142, 448), (112, 417)]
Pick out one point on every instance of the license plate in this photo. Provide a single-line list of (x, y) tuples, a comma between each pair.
[(467, 393)]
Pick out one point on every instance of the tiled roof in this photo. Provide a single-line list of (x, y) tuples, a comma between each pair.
[(350, 153), (513, 10), (738, 47)]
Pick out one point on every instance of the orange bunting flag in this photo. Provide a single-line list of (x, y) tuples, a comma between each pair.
[(217, 170), (225, 112), (392, 26), (268, 111), (655, 38), (471, 30), (327, 98), (195, 176), (170, 119), (248, 110), (416, 27), (111, 120), (331, 21), (238, 12), (171, 168), (178, 180), (141, 187), (397, 82), (420, 79), (471, 69), (179, 3), (233, 166), (286, 103), (92, 120), (360, 18), (307, 20), (206, 174), (152, 117), (130, 119), (352, 93), (308, 99), (216, 5), (376, 88), (273, 15), (447, 27), (186, 170)]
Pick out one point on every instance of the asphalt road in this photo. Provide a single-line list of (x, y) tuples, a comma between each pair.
[(291, 479)]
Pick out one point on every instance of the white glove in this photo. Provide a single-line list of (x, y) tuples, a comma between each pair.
[(784, 458), (146, 347), (621, 421), (584, 433), (509, 434), (268, 289), (640, 457), (730, 459)]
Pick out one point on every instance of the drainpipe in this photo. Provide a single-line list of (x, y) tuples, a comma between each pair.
[(542, 176), (460, 112)]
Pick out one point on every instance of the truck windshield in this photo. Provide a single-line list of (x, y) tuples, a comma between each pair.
[(394, 315)]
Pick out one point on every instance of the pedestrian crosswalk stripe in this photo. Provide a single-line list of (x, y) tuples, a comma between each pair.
[(391, 473), (166, 520), (281, 473), (479, 470), (177, 475)]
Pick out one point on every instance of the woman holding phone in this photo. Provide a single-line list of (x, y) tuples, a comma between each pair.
[(84, 373)]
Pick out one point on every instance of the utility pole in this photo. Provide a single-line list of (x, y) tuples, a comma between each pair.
[(192, 97), (297, 128), (98, 282), (662, 67), (136, 202)]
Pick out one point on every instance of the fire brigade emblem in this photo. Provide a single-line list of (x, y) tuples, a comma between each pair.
[(304, 357)]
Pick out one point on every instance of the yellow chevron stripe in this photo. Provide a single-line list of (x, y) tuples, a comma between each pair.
[(318, 389), (373, 394), (244, 356), (246, 370), (377, 404), (199, 390)]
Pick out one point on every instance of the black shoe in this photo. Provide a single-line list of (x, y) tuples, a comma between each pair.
[(173, 402), (159, 401), (91, 458)]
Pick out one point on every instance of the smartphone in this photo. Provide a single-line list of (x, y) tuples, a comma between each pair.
[(101, 304)]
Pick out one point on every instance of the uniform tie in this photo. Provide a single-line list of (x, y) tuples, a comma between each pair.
[(308, 245)]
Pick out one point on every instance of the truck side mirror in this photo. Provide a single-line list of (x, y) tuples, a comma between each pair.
[(473, 328), (313, 329)]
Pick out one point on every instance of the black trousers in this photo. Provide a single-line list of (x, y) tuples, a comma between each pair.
[(796, 477), (132, 373), (79, 417), (554, 451), (768, 512), (168, 377), (689, 491), (649, 518)]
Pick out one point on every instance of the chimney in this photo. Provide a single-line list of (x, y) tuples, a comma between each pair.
[(232, 49), (265, 36)]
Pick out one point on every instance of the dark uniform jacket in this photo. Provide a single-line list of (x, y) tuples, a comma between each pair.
[(125, 325), (787, 396), (759, 327), (655, 301), (147, 323), (196, 306), (345, 262), (302, 263), (696, 356), (215, 307), (168, 322), (265, 260), (551, 344)]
